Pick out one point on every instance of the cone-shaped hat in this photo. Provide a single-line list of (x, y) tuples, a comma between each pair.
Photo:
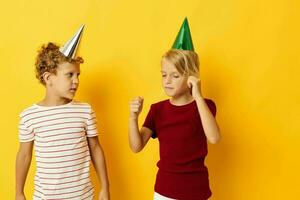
[(70, 48), (184, 39)]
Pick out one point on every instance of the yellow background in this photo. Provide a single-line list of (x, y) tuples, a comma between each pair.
[(250, 65)]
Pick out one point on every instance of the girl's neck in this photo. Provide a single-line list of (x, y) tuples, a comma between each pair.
[(182, 99)]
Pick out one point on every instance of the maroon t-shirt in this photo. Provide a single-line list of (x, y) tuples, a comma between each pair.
[(182, 173)]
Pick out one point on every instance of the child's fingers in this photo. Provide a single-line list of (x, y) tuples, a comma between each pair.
[(138, 100), (189, 83), (192, 81), (142, 99), (135, 108), (136, 104)]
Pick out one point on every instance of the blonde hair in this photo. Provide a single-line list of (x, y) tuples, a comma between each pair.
[(48, 59), (186, 62)]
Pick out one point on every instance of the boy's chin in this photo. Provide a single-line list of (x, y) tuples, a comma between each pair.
[(176, 95), (69, 97), (171, 95)]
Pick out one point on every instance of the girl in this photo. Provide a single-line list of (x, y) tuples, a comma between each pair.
[(182, 124)]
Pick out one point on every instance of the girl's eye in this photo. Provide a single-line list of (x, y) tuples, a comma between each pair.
[(163, 75), (175, 76)]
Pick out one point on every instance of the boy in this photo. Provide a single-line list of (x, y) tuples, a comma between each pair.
[(62, 130)]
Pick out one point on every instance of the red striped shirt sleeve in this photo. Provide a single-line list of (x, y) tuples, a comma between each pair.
[(25, 134), (91, 124)]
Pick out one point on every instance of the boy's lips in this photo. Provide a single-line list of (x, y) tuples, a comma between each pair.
[(73, 90)]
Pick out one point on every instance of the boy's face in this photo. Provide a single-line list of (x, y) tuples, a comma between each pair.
[(174, 83), (65, 82)]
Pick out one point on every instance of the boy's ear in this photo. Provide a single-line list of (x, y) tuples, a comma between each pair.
[(46, 77)]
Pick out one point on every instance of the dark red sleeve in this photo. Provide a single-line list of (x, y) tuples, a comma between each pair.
[(212, 106), (150, 121)]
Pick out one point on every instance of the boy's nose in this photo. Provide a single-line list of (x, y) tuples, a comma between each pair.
[(75, 80), (168, 80)]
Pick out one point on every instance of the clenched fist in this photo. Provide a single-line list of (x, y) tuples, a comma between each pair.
[(136, 106), (195, 86)]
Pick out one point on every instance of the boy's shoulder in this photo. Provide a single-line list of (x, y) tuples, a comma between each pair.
[(159, 104), (210, 102), (80, 103), (36, 108), (28, 109)]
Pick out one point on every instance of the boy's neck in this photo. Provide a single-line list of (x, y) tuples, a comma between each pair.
[(54, 101), (182, 99)]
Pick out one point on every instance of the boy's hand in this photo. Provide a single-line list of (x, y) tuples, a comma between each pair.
[(136, 106), (20, 197), (104, 195), (195, 86)]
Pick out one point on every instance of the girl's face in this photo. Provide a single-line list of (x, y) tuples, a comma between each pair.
[(65, 82), (174, 84)]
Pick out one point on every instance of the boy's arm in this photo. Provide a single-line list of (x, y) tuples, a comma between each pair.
[(98, 160), (137, 138), (210, 126), (23, 161)]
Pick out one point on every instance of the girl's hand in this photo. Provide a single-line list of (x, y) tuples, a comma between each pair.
[(136, 106), (195, 86), (104, 194)]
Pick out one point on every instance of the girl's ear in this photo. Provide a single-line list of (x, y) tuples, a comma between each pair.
[(47, 77)]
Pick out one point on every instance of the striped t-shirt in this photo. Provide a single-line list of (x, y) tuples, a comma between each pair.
[(61, 149)]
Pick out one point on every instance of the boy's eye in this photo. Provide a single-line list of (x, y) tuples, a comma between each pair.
[(175, 76), (70, 74), (163, 75)]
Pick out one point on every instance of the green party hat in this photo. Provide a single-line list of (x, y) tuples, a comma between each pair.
[(184, 39)]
